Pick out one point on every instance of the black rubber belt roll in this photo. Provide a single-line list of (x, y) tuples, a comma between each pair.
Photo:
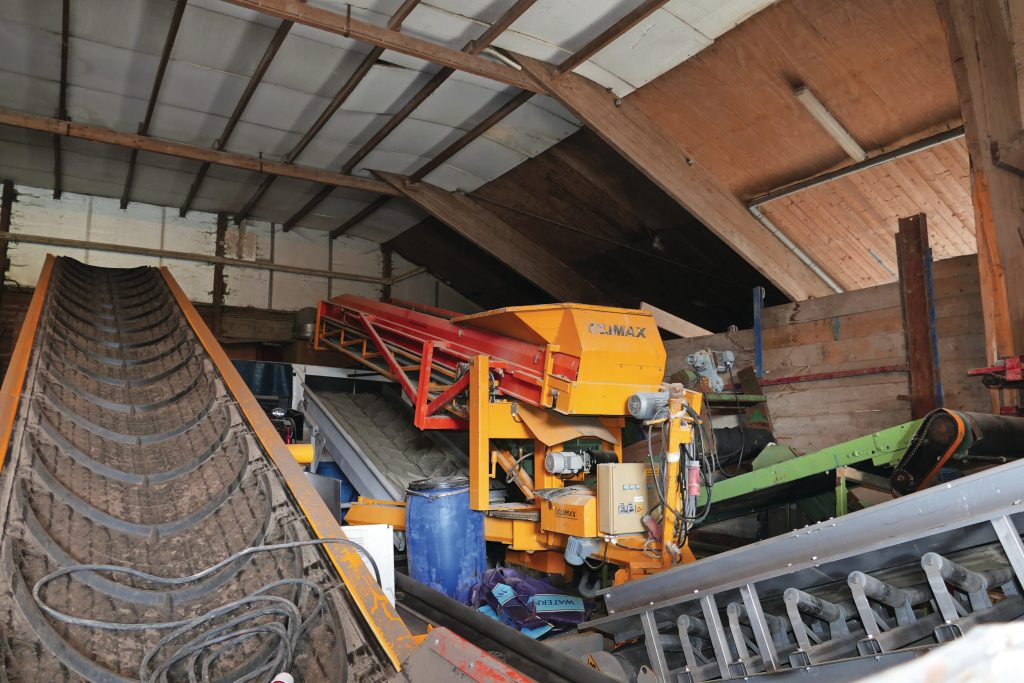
[(945, 433)]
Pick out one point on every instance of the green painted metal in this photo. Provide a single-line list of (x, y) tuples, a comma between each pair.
[(884, 448), (728, 399), (842, 497)]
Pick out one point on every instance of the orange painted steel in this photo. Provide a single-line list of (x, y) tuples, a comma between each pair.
[(382, 618), (14, 380), (961, 431)]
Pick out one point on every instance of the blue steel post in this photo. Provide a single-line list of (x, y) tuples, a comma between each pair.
[(928, 264), (758, 308)]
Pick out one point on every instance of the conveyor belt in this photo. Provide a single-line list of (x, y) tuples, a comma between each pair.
[(373, 440), (128, 448), (834, 601)]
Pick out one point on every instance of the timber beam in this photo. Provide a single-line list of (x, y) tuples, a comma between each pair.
[(914, 258), (67, 243), (981, 50), (473, 47), (46, 124), (611, 34), (347, 88), (490, 233), (359, 217), (7, 199), (250, 89), (628, 130), (219, 284), (444, 155), (674, 324), (154, 94), (62, 96), (343, 24)]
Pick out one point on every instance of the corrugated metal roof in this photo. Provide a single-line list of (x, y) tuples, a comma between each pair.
[(114, 54)]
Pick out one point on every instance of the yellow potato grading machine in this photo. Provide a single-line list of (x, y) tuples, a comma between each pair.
[(543, 392)]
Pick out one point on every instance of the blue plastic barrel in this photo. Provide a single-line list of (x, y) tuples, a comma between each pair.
[(444, 537)]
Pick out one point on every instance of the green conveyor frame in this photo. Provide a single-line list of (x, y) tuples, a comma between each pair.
[(884, 448)]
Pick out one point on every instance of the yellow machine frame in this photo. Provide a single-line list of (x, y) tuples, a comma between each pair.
[(617, 353)]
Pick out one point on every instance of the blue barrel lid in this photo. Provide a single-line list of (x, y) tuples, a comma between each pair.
[(439, 484)]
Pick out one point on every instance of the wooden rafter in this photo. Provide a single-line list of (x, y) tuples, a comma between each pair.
[(365, 32), (610, 34), (62, 96), (674, 324), (182, 150), (493, 119), (632, 133), (473, 47), (444, 155), (359, 217), (154, 94), (250, 89), (493, 235), (346, 90)]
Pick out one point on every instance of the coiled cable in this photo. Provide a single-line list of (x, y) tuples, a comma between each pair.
[(215, 635)]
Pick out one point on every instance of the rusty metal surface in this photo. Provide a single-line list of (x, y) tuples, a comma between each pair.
[(444, 656), (128, 448)]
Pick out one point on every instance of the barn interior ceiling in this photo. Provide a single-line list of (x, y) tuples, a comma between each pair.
[(718, 77)]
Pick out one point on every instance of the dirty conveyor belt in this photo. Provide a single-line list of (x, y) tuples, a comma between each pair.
[(128, 449), (372, 438)]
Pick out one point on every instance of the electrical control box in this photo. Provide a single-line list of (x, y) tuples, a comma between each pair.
[(621, 497)]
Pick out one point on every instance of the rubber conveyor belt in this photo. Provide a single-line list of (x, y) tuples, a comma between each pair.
[(372, 438), (128, 448)]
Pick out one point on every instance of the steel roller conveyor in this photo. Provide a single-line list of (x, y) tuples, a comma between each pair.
[(838, 599)]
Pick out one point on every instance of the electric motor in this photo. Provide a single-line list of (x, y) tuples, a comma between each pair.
[(645, 405), (561, 463)]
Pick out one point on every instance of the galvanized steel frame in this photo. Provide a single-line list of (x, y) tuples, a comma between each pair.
[(983, 511)]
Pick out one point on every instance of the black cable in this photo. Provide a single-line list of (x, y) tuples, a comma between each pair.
[(717, 455), (706, 475), (212, 630), (603, 561), (657, 484), (707, 470)]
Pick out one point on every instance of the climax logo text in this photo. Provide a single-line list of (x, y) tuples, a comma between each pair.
[(618, 330)]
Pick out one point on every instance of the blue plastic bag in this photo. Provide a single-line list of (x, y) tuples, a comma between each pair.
[(529, 605)]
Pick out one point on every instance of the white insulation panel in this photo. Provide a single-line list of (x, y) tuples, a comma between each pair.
[(98, 220), (114, 50)]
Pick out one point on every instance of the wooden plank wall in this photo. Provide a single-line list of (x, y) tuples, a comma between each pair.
[(856, 330), (847, 226)]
